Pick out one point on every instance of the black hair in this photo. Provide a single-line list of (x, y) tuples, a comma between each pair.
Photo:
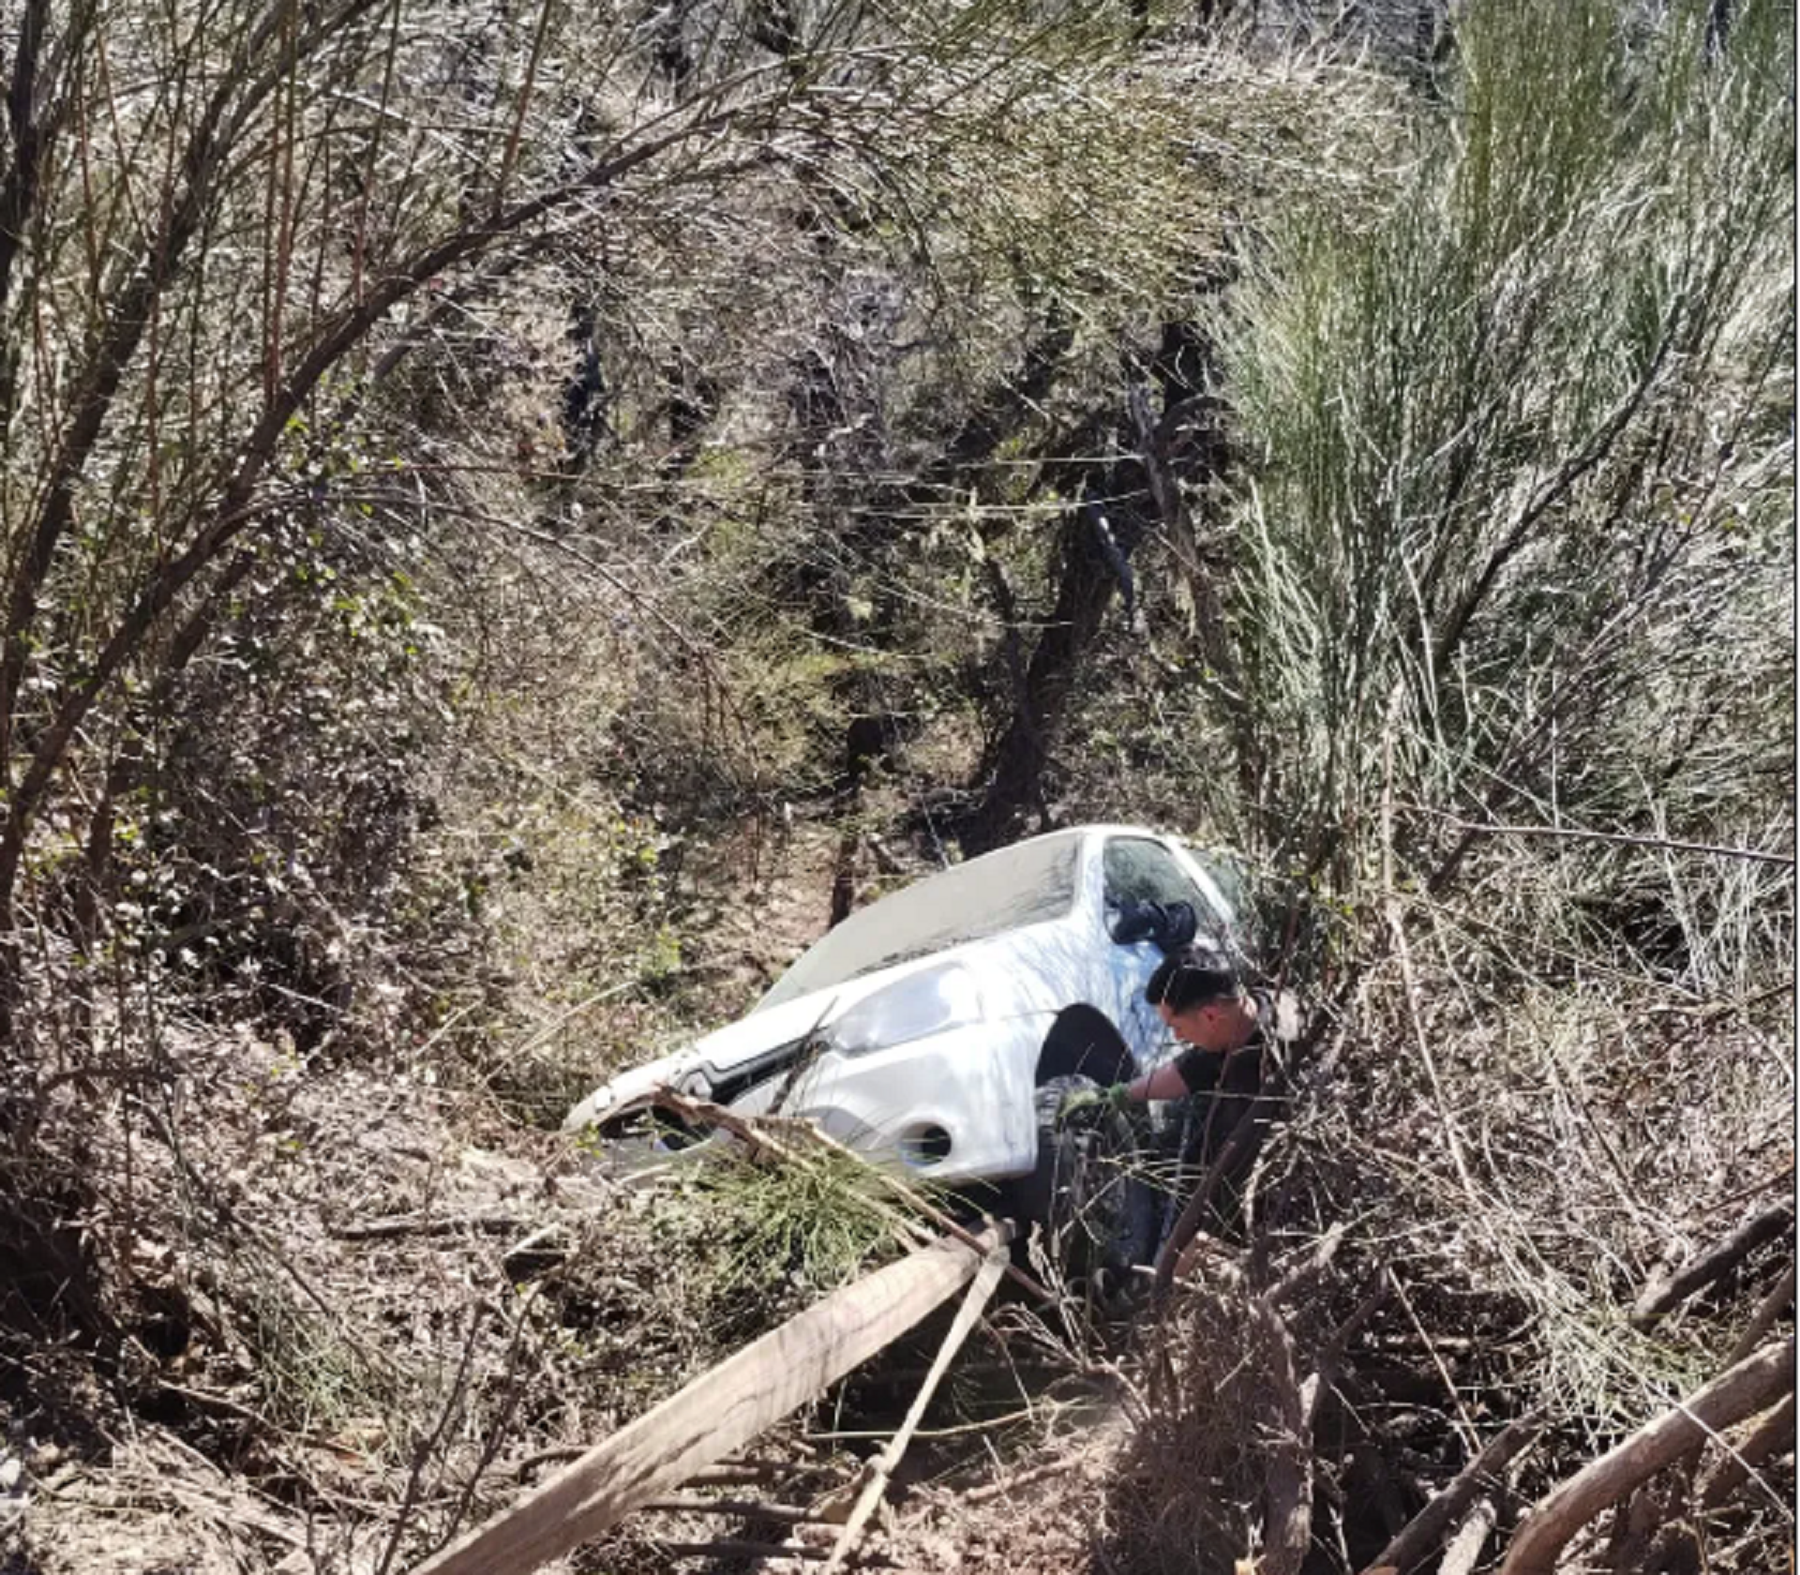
[(1196, 975)]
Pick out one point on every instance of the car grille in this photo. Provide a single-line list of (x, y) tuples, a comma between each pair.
[(742, 1078)]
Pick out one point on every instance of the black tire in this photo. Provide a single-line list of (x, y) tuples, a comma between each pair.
[(1097, 1213)]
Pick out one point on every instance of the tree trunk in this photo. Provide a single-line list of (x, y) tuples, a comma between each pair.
[(1119, 501), (1018, 759)]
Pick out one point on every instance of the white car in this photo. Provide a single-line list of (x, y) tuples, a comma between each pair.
[(923, 1028)]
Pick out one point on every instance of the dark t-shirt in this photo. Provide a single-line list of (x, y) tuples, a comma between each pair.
[(1237, 1074)]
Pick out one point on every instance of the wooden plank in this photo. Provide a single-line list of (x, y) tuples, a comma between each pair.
[(720, 1411), (881, 1473)]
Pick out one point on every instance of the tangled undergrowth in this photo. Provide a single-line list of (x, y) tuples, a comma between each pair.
[(1357, 437), (1448, 1232)]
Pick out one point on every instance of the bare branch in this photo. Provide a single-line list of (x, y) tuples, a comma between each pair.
[(1729, 1398), (1427, 1528), (1667, 1290), (1580, 834)]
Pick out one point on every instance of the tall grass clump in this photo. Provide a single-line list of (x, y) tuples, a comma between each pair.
[(1516, 542), (762, 1239)]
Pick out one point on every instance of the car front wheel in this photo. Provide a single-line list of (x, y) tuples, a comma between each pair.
[(1088, 1193)]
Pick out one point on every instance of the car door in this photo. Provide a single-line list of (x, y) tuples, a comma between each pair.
[(1140, 868)]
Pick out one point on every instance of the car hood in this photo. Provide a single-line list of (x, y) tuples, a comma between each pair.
[(734, 1048)]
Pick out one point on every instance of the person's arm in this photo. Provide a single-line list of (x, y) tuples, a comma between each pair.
[(1165, 1082)]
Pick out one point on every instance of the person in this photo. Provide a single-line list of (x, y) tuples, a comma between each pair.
[(1225, 1027), (1230, 1032)]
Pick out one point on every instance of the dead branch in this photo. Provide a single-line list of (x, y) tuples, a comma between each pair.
[(1729, 1398), (1288, 1485), (1769, 1437), (736, 1548), (1580, 833), (487, 1221), (729, 1474), (748, 1509), (1403, 952), (1772, 1307), (1668, 1290), (1022, 1479), (882, 1471), (1187, 1224), (1326, 1363), (1464, 1547), (1420, 1534), (551, 1456), (1437, 1360), (1316, 1260), (1785, 1175)]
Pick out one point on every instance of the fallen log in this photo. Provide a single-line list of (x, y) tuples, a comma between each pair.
[(718, 1412), (1737, 1393)]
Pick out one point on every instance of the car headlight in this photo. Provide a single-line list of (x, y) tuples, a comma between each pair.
[(923, 1003)]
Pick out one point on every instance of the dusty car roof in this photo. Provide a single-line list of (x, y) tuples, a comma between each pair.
[(1024, 883)]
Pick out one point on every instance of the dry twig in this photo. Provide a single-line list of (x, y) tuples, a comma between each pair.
[(488, 1221), (1465, 1545), (1668, 1290), (1423, 1531), (1763, 1319)]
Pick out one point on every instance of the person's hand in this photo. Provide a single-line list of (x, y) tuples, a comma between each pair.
[(1095, 1100)]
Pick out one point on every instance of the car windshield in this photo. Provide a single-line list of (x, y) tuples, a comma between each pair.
[(999, 891)]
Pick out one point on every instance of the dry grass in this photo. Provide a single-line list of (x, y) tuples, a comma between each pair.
[(1188, 1491)]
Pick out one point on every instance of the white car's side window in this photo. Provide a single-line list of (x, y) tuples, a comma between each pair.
[(1139, 870)]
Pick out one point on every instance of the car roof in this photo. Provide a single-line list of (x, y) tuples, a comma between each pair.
[(1102, 828)]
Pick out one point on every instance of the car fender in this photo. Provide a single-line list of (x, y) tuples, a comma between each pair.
[(928, 1106)]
